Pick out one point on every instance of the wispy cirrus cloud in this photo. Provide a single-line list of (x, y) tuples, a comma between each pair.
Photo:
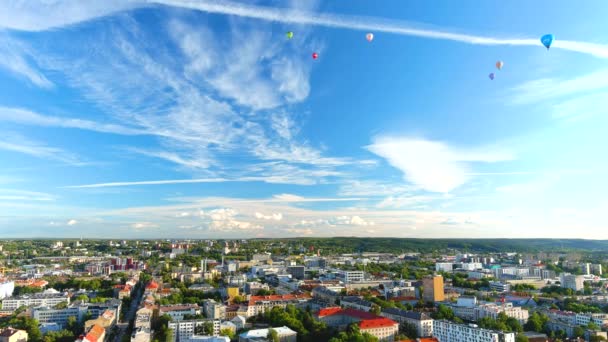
[(28, 117), (432, 165), (25, 195), (16, 57), (549, 88), (19, 144), (40, 15)]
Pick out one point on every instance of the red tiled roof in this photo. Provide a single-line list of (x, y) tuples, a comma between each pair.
[(329, 311), (346, 312), (376, 323), (95, 333), (152, 285)]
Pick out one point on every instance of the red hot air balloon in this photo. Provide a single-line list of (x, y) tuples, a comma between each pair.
[(315, 55)]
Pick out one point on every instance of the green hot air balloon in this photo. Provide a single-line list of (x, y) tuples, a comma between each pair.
[(289, 35)]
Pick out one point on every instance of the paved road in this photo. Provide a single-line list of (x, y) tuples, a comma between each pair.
[(129, 316)]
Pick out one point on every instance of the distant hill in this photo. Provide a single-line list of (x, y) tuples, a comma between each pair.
[(354, 244)]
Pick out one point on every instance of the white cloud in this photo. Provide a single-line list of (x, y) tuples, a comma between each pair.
[(72, 222), (431, 165), (17, 143), (226, 219), (24, 195), (415, 201), (547, 88), (274, 216), (300, 231), (358, 221), (24, 116), (16, 58), (143, 225), (372, 24), (40, 15), (373, 188)]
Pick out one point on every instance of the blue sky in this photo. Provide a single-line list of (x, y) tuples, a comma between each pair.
[(171, 118)]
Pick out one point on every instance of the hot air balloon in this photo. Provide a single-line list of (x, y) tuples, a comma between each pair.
[(547, 40), (315, 55), (499, 65), (491, 76), (289, 35), (369, 37)]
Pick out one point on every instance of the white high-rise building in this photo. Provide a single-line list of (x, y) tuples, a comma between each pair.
[(444, 267), (446, 331), (6, 289), (571, 281), (352, 276)]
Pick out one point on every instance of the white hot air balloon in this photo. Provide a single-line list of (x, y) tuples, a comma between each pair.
[(369, 37)]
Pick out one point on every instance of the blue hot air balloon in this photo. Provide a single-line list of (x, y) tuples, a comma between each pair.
[(491, 76), (547, 40)]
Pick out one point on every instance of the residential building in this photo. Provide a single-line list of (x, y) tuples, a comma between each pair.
[(198, 338), (492, 310), (106, 320), (296, 271), (239, 321), (95, 333), (141, 334), (433, 290), (228, 325), (254, 287), (383, 328), (444, 267), (422, 321), (177, 312), (596, 269), (352, 276), (183, 330), (571, 281), (325, 295), (47, 298), (600, 319), (258, 304), (586, 268), (354, 302), (13, 335), (59, 316), (261, 257), (213, 309), (447, 331), (285, 335), (6, 288)]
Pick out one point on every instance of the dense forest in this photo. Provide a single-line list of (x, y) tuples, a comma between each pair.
[(396, 245)]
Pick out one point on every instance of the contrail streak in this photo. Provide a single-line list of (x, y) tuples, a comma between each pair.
[(369, 24)]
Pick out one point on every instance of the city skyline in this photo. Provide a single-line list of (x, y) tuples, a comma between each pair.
[(202, 119)]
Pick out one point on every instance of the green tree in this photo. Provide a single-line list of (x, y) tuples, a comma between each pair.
[(208, 328), (521, 338), (409, 330), (578, 331), (596, 338), (273, 336), (74, 326), (443, 312), (228, 332), (534, 323)]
